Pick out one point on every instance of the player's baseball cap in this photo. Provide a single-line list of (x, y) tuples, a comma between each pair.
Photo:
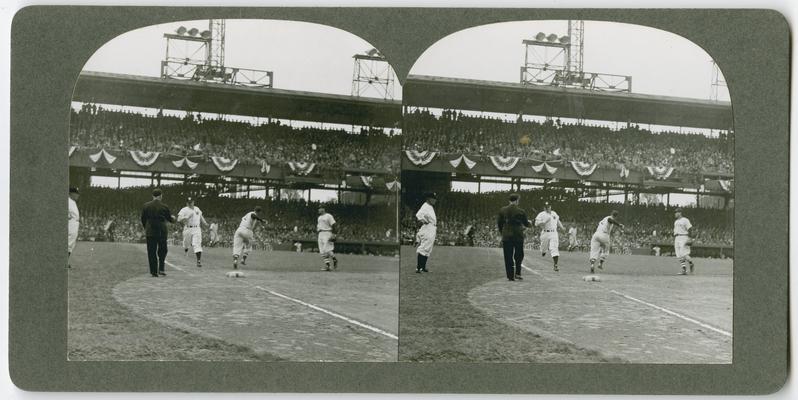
[(189, 199), (258, 209), (514, 197), (614, 212), (74, 189), (678, 210), (430, 195), (156, 192)]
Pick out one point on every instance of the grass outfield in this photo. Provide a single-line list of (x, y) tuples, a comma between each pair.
[(640, 311), (118, 312)]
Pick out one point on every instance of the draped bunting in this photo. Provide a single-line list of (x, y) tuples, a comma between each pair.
[(72, 150), (583, 168), (725, 185), (420, 157), (265, 167), (660, 172), (549, 168), (104, 154), (302, 168), (459, 160), (185, 161), (366, 180), (144, 158), (557, 152), (224, 164), (624, 171), (394, 186), (504, 164)]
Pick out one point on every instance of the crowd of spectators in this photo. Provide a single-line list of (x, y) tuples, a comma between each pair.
[(288, 221), (646, 225), (272, 141), (553, 140)]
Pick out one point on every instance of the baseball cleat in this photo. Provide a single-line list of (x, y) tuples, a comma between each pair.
[(199, 264), (519, 278), (424, 270), (543, 254), (418, 270), (335, 263), (556, 268), (235, 264), (683, 272), (592, 270), (692, 267), (325, 268)]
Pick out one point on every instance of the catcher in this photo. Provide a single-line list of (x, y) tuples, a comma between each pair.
[(326, 227)]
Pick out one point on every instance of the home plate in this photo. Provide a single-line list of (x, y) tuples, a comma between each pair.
[(591, 278), (235, 274)]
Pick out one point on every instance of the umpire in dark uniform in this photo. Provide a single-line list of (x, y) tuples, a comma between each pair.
[(154, 217), (512, 222)]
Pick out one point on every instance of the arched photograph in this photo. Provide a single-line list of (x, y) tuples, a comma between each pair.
[(234, 196), (568, 198)]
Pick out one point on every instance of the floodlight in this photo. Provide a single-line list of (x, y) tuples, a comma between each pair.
[(205, 34), (552, 38), (540, 36), (182, 30), (565, 40), (193, 31)]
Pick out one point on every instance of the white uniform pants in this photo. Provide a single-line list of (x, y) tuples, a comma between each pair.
[(426, 239), (681, 247), (550, 243), (326, 247), (599, 246), (72, 235), (192, 239), (242, 241)]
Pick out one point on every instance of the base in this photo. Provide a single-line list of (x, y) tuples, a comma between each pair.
[(235, 274), (591, 278)]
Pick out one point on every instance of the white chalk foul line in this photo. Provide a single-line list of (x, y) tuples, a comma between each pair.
[(531, 270), (674, 313), (330, 313)]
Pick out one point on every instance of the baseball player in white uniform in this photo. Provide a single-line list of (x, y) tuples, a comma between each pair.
[(549, 223), (325, 226), (243, 237), (682, 237), (600, 242), (425, 237), (214, 234), (572, 242), (191, 218), (74, 221)]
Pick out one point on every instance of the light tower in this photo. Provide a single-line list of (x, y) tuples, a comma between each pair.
[(553, 60), (197, 55), (718, 81), (372, 74)]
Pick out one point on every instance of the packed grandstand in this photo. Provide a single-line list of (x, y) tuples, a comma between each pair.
[(273, 141), (632, 146), (288, 221), (646, 225)]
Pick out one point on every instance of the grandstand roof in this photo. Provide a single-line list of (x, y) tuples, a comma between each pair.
[(143, 91), (512, 98)]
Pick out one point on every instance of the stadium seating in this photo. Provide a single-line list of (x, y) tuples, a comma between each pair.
[(645, 224), (275, 142), (288, 220), (633, 146)]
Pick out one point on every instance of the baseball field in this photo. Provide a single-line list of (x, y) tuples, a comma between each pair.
[(641, 311), (284, 308)]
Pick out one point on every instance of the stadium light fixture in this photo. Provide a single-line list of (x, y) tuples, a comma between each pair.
[(565, 40), (552, 37), (193, 31), (540, 36), (205, 34), (181, 31)]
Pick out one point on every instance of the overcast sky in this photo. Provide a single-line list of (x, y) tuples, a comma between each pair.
[(303, 56), (659, 62)]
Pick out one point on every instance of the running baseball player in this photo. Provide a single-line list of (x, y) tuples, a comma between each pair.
[(572, 242), (682, 237), (426, 234), (325, 226), (600, 242), (243, 237), (549, 223), (74, 221), (191, 218)]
